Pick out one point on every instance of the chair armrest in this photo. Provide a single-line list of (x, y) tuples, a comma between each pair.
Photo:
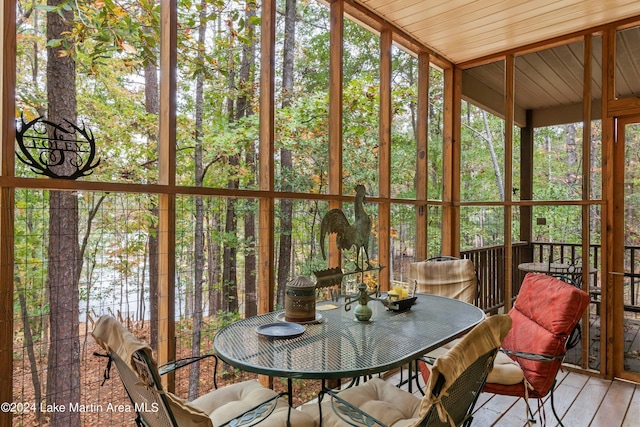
[(181, 363), (350, 414)]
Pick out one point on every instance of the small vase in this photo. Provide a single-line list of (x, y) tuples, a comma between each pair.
[(363, 312)]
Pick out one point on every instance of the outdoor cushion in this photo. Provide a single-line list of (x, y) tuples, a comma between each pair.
[(399, 408), (545, 312), (211, 409), (450, 278), (378, 398), (505, 370)]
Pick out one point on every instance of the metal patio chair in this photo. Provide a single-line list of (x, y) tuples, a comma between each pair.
[(452, 389), (544, 314), (242, 404)]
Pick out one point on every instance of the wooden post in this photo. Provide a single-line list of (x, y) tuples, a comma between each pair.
[(336, 41), (336, 46), (612, 259), (508, 178), (422, 160), (167, 201), (266, 273), (8, 82), (384, 160), (586, 190), (451, 162)]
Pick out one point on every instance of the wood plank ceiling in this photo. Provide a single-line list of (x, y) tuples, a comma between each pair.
[(548, 82)]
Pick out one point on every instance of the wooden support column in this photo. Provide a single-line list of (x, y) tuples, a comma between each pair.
[(508, 178), (167, 201), (266, 273), (612, 259), (451, 162), (586, 189), (7, 91), (422, 160), (384, 160), (336, 46), (266, 269)]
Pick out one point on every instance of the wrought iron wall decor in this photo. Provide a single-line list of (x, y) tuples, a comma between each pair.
[(46, 147)]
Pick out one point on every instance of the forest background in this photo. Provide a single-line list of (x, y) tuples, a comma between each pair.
[(96, 63)]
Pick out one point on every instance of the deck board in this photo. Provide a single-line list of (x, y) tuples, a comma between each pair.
[(585, 407), (580, 400), (614, 406), (633, 412)]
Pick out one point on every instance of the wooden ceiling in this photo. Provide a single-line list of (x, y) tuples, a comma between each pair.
[(548, 81), (464, 30)]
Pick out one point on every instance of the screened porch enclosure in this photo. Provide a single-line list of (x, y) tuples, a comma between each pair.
[(222, 147)]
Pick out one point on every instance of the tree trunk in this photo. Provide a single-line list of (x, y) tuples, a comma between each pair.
[(286, 163), (213, 249), (244, 110), (152, 106), (229, 276), (153, 281), (198, 249), (28, 343), (63, 368), (494, 158)]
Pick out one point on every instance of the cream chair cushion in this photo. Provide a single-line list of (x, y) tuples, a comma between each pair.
[(505, 370), (211, 409), (378, 398)]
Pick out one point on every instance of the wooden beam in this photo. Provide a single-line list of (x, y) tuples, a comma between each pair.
[(336, 46), (509, 108), (375, 24), (549, 43), (7, 204), (384, 159), (266, 274), (623, 106), (608, 215), (586, 188), (422, 157), (167, 202), (266, 265), (451, 162)]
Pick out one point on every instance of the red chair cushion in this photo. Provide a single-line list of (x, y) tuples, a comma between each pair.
[(544, 314)]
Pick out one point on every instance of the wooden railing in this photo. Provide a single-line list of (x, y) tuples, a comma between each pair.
[(489, 263)]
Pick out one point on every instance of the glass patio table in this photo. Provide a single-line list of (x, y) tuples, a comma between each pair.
[(339, 346)]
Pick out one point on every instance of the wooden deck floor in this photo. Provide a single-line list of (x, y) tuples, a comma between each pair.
[(580, 400)]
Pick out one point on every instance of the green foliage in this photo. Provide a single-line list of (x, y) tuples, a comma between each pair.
[(112, 42)]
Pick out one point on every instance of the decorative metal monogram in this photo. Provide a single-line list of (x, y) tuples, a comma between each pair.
[(56, 150)]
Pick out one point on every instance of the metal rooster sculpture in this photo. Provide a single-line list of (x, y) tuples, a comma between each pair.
[(349, 235)]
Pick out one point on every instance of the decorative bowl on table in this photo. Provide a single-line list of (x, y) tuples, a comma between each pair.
[(393, 303)]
